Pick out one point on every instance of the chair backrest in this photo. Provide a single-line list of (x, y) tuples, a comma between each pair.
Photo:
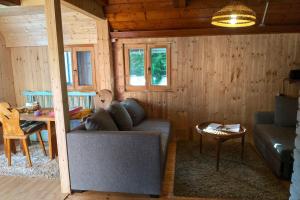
[(10, 119)]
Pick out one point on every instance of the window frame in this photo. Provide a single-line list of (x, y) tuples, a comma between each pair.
[(75, 76), (127, 67), (70, 87), (147, 67)]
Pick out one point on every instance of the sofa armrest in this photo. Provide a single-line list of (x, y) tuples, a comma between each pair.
[(115, 161), (264, 117)]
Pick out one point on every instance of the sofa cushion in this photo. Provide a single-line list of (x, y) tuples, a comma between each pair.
[(279, 139), (101, 120), (120, 116), (285, 113), (162, 126), (135, 110)]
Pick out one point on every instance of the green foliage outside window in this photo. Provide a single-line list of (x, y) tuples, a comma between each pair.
[(137, 62), (158, 58), (159, 65)]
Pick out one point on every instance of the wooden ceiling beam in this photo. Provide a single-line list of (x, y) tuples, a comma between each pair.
[(102, 2), (10, 2), (206, 31), (90, 8), (179, 3)]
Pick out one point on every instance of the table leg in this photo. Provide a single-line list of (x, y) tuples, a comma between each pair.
[(5, 147), (243, 146), (13, 146), (55, 150), (8, 149), (51, 139), (23, 148), (219, 143), (200, 143)]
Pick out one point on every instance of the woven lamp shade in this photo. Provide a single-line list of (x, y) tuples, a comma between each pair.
[(234, 15)]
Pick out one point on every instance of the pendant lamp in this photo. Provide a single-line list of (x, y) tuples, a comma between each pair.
[(234, 14)]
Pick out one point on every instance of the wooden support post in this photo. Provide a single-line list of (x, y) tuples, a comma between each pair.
[(104, 61), (59, 86)]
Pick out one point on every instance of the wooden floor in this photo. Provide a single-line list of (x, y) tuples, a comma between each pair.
[(19, 188), (16, 188)]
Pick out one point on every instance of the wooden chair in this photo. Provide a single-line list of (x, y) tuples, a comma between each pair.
[(10, 119)]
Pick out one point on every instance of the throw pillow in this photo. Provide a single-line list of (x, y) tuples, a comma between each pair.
[(285, 113), (120, 116), (101, 120), (135, 110)]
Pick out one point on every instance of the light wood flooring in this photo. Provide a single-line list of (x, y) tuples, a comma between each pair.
[(19, 188)]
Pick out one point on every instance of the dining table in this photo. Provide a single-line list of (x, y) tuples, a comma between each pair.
[(50, 124)]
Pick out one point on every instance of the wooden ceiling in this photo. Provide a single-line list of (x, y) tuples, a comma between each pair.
[(167, 18), (158, 15), (26, 26)]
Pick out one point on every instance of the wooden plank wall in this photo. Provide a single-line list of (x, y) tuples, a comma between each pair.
[(223, 78), (6, 75), (31, 71), (30, 30)]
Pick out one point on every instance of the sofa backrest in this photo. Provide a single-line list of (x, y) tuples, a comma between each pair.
[(285, 112)]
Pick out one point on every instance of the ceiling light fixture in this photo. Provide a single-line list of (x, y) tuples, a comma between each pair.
[(235, 14)]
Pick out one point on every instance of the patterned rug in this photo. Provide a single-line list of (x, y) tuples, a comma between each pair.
[(42, 166), (196, 174)]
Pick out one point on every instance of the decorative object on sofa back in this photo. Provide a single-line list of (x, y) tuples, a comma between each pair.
[(103, 99)]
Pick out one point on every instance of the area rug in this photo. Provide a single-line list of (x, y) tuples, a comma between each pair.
[(42, 166), (196, 174)]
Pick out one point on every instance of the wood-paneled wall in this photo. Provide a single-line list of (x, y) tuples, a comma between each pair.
[(6, 75), (30, 29), (31, 70), (222, 78)]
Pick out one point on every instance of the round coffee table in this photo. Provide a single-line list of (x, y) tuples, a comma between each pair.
[(221, 136)]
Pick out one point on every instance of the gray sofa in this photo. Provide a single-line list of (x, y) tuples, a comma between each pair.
[(274, 136), (119, 161)]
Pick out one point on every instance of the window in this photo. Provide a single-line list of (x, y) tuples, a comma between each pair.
[(68, 66), (79, 65), (147, 67)]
